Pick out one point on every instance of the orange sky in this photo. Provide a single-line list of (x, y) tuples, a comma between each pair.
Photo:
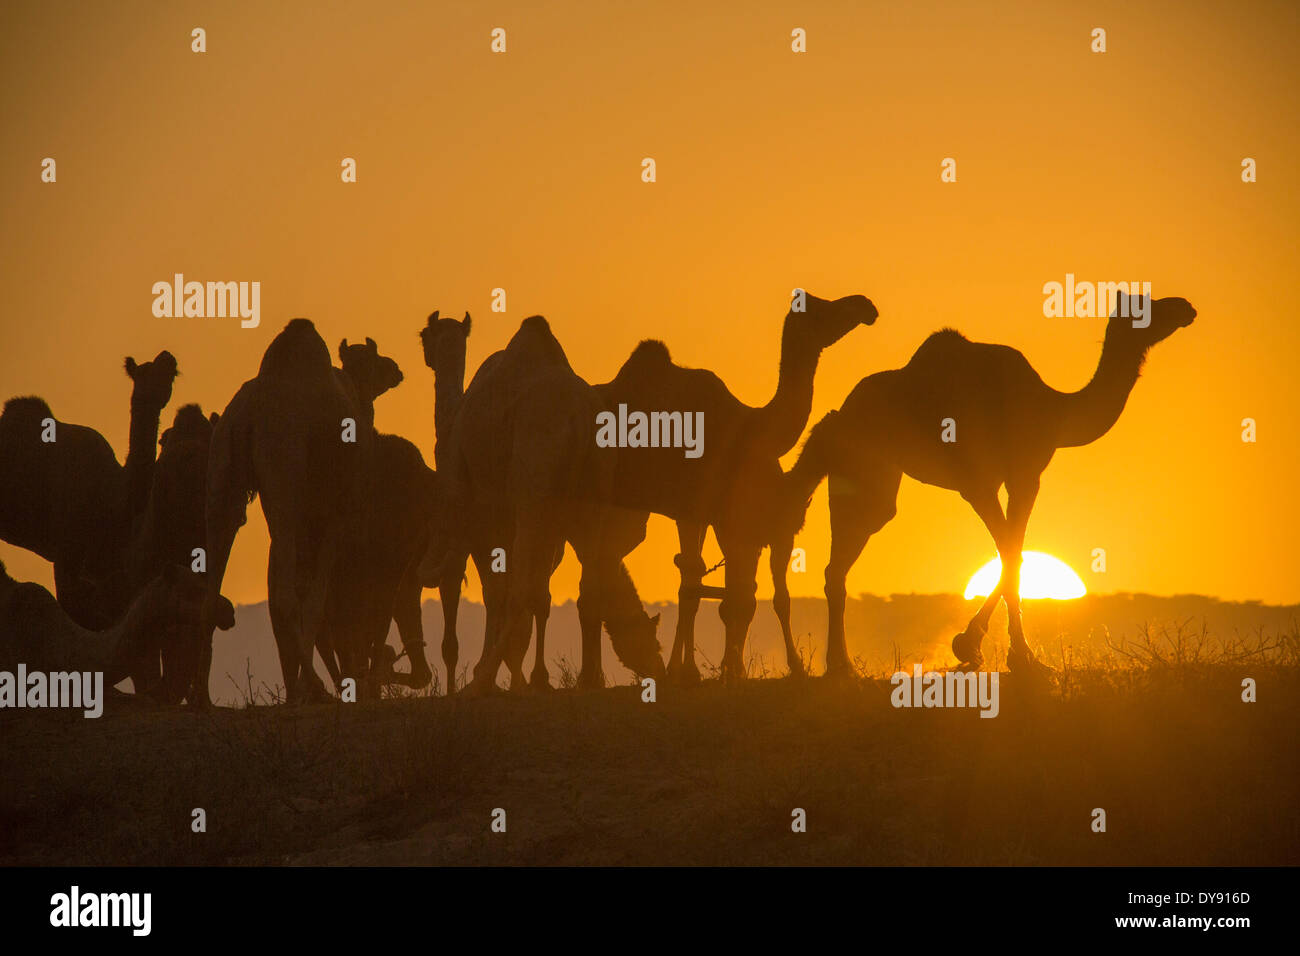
[(775, 170)]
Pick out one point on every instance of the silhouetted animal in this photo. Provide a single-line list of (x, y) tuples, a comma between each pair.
[(1008, 426), (69, 500), (525, 477), (282, 436), (734, 485)]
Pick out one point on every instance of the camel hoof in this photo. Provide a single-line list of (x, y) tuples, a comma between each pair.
[(684, 675), (966, 648), (797, 671), (478, 688), (839, 672)]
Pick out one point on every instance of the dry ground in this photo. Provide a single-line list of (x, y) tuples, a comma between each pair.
[(1187, 774)]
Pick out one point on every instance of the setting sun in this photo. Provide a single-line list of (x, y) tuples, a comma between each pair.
[(1041, 576)]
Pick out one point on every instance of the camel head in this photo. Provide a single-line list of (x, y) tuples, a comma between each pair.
[(153, 380), (165, 618), (636, 645), (445, 338), (1161, 318), (189, 425), (823, 322), (372, 373)]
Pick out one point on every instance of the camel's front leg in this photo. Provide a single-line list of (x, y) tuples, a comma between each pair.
[(966, 645), (690, 570), (1020, 502), (737, 607), (779, 560)]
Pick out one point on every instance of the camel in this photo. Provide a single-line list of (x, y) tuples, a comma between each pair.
[(736, 482), (524, 476), (1008, 425), (444, 343), (382, 581), (283, 436), (69, 500), (35, 629), (168, 530)]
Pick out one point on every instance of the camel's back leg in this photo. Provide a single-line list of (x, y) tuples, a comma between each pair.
[(286, 613), (541, 677), (450, 576), (779, 561), (859, 507), (410, 625), (690, 570)]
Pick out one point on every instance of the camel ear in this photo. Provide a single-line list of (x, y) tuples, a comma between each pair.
[(343, 347), (466, 323), (213, 419), (130, 366), (370, 344), (434, 317)]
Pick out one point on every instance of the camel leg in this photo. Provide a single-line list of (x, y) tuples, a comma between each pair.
[(313, 614), (779, 561), (966, 645), (494, 605), (406, 612), (1020, 502), (859, 508), (541, 677), (282, 598), (592, 674), (690, 567), (738, 603), (537, 536), (451, 575)]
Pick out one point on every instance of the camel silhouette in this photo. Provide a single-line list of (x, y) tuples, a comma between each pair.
[(734, 486), (282, 436), (35, 629), (69, 500), (444, 343), (1008, 425), (166, 533), (524, 477), (381, 582)]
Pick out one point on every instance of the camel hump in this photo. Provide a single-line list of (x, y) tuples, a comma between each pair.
[(651, 355), (297, 351), (27, 408), (535, 336)]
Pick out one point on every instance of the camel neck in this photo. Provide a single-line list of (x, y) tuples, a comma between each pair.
[(142, 451), (782, 420), (448, 390), (1092, 411)]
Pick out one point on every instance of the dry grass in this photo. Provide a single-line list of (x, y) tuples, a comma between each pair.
[(1153, 730)]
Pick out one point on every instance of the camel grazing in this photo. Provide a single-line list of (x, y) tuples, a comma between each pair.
[(1008, 425), (69, 500), (399, 503), (524, 476), (35, 630), (283, 436), (735, 483)]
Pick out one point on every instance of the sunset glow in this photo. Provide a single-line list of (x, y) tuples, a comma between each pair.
[(1041, 576)]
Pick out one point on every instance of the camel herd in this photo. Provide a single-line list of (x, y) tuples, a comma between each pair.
[(360, 525)]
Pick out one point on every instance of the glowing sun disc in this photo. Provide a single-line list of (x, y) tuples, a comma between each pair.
[(1041, 576)]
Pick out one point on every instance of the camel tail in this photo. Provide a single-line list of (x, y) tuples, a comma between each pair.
[(814, 463)]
